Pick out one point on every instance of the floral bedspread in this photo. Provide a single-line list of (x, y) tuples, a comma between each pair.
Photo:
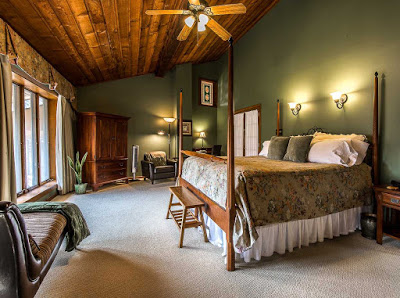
[(271, 191)]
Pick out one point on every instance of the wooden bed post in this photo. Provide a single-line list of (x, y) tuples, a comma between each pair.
[(230, 200), (180, 155), (375, 134), (278, 118)]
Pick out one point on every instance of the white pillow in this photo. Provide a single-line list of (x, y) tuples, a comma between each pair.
[(264, 151), (333, 152), (321, 136)]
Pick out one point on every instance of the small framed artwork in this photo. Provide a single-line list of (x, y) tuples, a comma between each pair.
[(208, 93), (186, 127)]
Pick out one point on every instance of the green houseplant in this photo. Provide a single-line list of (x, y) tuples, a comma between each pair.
[(80, 188)]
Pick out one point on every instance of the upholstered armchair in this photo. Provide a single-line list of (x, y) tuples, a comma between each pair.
[(156, 166)]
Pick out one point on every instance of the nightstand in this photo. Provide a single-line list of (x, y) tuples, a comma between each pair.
[(387, 219)]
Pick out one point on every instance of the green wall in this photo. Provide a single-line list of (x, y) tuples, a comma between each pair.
[(146, 99), (204, 118), (304, 50)]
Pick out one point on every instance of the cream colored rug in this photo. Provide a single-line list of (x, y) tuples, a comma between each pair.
[(133, 252)]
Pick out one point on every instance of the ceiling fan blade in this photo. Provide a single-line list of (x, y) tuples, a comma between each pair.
[(225, 9), (157, 12), (183, 35), (218, 29), (194, 2)]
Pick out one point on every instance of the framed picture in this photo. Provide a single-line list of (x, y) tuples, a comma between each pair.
[(186, 127), (208, 93)]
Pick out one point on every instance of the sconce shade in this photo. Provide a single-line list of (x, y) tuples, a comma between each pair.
[(336, 95), (292, 105), (169, 119), (161, 132), (202, 134)]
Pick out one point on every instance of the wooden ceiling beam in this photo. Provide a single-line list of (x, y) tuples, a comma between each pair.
[(124, 35), (111, 20), (135, 35), (96, 15), (49, 17)]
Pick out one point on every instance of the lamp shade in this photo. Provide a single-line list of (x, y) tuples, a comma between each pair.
[(292, 105), (189, 21), (169, 119), (203, 19), (202, 134)]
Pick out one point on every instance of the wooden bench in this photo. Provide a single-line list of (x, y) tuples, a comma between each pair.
[(185, 218)]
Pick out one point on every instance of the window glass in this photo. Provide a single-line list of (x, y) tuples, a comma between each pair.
[(31, 163), (16, 121), (44, 139)]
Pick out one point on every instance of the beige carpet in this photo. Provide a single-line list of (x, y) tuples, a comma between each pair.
[(133, 252)]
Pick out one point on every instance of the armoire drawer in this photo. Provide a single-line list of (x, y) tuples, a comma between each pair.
[(111, 175), (110, 165)]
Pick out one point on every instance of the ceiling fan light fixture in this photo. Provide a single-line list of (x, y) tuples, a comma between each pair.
[(203, 19), (189, 21), (201, 27)]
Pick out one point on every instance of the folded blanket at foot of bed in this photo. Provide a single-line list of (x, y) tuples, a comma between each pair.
[(77, 228)]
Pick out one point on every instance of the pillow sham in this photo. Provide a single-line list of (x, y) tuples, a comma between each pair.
[(333, 152), (277, 147), (298, 148), (321, 136), (361, 148), (264, 151)]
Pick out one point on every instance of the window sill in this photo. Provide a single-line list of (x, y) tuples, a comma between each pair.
[(38, 193)]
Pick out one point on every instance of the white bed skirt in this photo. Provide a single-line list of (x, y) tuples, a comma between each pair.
[(282, 237)]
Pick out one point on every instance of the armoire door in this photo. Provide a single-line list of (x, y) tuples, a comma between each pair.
[(120, 149), (105, 134)]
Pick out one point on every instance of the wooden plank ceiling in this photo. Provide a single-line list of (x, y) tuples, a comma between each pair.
[(91, 41)]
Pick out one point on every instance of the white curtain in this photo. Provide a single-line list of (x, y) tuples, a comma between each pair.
[(251, 133), (7, 166), (238, 137), (65, 121)]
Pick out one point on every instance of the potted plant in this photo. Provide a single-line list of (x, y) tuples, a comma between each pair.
[(80, 188)]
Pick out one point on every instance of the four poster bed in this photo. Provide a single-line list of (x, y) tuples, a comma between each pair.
[(262, 192)]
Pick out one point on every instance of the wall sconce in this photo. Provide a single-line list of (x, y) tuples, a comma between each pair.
[(295, 107), (202, 136), (339, 98), (161, 133)]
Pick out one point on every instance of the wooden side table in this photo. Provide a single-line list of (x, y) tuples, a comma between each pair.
[(387, 223)]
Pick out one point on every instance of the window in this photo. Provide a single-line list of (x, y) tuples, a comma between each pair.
[(247, 131), (30, 114), (44, 139), (31, 163), (16, 115)]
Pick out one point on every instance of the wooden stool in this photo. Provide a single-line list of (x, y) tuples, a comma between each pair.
[(184, 218)]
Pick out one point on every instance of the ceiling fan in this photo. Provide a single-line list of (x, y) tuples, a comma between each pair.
[(200, 13)]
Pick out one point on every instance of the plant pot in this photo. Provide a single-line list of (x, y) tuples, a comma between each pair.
[(368, 225), (80, 188)]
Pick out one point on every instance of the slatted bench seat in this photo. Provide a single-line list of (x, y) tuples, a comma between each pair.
[(184, 217)]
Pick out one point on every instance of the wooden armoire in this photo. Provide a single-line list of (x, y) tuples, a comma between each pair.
[(105, 138)]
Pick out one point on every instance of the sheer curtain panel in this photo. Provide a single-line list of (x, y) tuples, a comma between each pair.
[(7, 167), (65, 121)]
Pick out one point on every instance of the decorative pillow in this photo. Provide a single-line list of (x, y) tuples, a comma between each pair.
[(277, 147), (158, 158), (321, 136), (264, 151), (298, 148), (361, 148), (333, 152)]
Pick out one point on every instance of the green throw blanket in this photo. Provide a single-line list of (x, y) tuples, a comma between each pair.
[(77, 229)]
